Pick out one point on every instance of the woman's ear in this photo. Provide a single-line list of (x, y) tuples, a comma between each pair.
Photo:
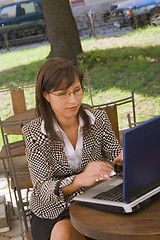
[(46, 96)]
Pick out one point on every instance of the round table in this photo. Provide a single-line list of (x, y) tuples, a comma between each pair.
[(99, 225)]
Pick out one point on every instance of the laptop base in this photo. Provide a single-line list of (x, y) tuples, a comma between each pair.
[(119, 209)]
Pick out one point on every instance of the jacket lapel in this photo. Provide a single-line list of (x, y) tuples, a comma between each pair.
[(87, 150), (60, 156)]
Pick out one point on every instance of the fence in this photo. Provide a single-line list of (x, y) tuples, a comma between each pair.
[(90, 22), (20, 34)]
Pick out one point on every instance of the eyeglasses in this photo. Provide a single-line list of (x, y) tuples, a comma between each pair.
[(65, 95)]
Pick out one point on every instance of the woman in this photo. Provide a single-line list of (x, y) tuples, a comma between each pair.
[(65, 146)]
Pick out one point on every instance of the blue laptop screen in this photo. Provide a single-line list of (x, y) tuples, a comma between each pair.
[(141, 169)]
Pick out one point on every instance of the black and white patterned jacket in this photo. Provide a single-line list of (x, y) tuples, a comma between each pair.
[(49, 168)]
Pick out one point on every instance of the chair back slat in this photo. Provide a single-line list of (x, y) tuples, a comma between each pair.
[(111, 110), (113, 117), (18, 100)]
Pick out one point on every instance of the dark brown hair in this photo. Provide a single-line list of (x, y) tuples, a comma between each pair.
[(50, 77)]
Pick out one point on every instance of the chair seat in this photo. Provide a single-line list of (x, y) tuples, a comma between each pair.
[(17, 151), (23, 179)]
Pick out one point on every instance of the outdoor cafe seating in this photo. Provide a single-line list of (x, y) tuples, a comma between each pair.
[(18, 178)]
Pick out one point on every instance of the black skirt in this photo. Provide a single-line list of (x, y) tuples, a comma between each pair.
[(41, 228)]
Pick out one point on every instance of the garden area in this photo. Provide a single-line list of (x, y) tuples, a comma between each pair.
[(115, 66)]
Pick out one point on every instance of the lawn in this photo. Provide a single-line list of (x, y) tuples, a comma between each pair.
[(115, 66)]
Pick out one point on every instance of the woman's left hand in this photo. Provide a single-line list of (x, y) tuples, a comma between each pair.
[(119, 160)]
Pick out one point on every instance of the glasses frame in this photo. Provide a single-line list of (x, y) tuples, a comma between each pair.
[(61, 96)]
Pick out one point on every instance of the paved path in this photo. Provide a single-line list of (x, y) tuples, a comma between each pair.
[(14, 233), (99, 32)]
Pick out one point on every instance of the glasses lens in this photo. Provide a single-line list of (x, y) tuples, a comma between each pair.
[(64, 95), (78, 92)]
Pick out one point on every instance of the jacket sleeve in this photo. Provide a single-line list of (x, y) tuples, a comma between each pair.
[(47, 180)]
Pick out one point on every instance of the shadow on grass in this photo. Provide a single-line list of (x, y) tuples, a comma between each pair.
[(130, 68), (127, 68), (21, 75)]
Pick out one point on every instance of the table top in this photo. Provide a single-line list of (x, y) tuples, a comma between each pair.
[(14, 127), (99, 225)]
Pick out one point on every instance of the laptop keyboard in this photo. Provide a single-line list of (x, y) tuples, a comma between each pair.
[(114, 194)]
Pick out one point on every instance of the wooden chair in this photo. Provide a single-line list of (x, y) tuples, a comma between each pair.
[(111, 109), (3, 157), (112, 115), (13, 127), (18, 178)]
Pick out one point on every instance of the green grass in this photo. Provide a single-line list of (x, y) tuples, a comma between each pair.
[(20, 67), (115, 66)]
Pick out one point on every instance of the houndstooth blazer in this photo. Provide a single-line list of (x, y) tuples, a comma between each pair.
[(49, 168)]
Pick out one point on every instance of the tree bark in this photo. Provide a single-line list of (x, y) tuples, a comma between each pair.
[(62, 31)]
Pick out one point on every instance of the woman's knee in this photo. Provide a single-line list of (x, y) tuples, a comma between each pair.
[(65, 230), (61, 230)]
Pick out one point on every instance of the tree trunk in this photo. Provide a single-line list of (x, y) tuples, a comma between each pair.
[(61, 29)]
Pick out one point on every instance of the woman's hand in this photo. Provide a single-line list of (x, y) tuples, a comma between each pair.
[(119, 160), (93, 173)]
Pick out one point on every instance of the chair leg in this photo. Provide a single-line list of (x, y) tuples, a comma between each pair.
[(129, 120), (9, 187), (27, 198), (19, 214), (20, 207)]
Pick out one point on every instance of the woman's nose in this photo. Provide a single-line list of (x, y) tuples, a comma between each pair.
[(72, 97)]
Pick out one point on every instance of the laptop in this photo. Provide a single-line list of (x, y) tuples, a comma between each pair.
[(140, 183)]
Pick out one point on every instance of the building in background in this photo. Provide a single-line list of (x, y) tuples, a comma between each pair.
[(4, 2), (75, 3)]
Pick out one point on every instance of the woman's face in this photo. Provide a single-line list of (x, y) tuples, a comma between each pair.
[(65, 102)]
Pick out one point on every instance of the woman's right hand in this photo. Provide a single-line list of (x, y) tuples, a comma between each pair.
[(94, 172)]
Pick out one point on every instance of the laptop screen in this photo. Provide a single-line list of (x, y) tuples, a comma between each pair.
[(141, 171)]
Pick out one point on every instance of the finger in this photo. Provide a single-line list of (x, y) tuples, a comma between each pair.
[(107, 168), (103, 177), (101, 168), (106, 165), (118, 161)]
